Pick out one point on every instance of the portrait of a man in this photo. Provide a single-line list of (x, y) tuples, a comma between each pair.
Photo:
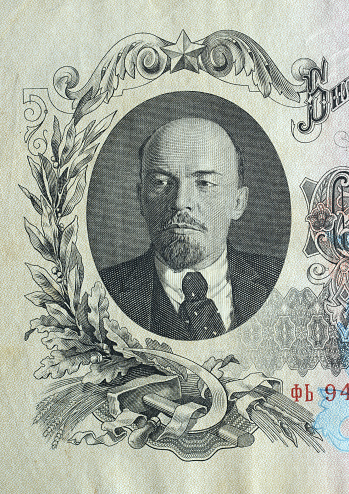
[(192, 283)]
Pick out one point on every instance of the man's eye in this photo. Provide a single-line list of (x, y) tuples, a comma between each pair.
[(159, 182), (205, 184)]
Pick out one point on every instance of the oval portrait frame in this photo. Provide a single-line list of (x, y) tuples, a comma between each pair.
[(117, 231)]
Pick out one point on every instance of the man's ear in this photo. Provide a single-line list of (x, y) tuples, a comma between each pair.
[(241, 203), (139, 195)]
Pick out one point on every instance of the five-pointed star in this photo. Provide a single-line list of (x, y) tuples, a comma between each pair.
[(184, 54)]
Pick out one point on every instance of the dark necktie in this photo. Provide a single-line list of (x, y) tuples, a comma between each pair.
[(199, 313)]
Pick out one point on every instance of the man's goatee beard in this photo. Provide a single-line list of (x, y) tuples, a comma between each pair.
[(179, 252)]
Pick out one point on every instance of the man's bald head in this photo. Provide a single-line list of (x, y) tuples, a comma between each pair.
[(191, 135), (190, 190)]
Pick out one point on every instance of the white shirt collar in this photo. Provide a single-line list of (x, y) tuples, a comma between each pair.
[(216, 276)]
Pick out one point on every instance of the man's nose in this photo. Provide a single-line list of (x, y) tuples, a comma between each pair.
[(183, 197)]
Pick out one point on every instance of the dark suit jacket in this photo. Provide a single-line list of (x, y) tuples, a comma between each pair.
[(136, 288)]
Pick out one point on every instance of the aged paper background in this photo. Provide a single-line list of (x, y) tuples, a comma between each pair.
[(38, 37)]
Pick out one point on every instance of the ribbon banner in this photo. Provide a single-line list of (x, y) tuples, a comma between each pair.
[(162, 417)]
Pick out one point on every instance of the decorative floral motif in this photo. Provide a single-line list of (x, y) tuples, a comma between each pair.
[(329, 223), (321, 218)]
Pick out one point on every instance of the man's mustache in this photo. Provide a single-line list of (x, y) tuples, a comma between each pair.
[(182, 219)]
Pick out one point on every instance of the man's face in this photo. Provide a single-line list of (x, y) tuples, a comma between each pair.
[(189, 192)]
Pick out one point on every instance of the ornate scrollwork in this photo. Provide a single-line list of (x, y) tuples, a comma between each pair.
[(228, 49), (136, 55), (146, 57), (35, 112), (328, 220)]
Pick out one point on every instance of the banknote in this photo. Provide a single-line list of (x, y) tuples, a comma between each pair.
[(176, 248)]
